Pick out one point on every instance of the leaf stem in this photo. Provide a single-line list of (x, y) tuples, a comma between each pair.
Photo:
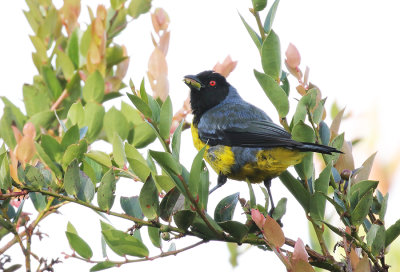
[(199, 211), (259, 24)]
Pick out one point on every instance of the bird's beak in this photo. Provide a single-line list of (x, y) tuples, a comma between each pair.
[(193, 82)]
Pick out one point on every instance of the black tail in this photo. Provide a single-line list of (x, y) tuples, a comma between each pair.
[(324, 149)]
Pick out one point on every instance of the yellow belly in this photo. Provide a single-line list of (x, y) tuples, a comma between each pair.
[(270, 163)]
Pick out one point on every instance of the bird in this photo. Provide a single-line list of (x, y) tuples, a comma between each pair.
[(242, 142)]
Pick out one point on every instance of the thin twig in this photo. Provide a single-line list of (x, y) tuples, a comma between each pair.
[(60, 99), (162, 255)]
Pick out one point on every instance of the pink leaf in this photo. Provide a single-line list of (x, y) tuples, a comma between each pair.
[(226, 67), (300, 252), (292, 56), (258, 218)]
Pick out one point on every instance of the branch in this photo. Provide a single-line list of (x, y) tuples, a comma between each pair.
[(60, 99), (162, 255)]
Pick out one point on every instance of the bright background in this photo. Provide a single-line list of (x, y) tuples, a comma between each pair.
[(352, 48)]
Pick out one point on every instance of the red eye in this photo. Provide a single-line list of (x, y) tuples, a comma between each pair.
[(213, 83)]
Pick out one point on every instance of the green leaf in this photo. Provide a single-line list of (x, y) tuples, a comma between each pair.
[(165, 118), (34, 177), (70, 137), (296, 189), (376, 238), (154, 235), (131, 206), (94, 114), (306, 102), (148, 199), (42, 119), (39, 201), (253, 202), (102, 266), (337, 143), (79, 245), (168, 204), (274, 92), (176, 141), (93, 90), (382, 211), (259, 5), (318, 201), (303, 133), (52, 148), (131, 114), (71, 228), (72, 182), (124, 244), (234, 228), (362, 208), (184, 219), (118, 150), (280, 209), (195, 171), (270, 17), (225, 208), (52, 81), (66, 64), (362, 187), (139, 169), (76, 114), (114, 55), (133, 153), (165, 182), (324, 133), (143, 135), (48, 161), (155, 109), (36, 98), (137, 7), (18, 117), (140, 105), (74, 151), (87, 190), (392, 233), (271, 56), (254, 36), (319, 111), (73, 47), (115, 122), (167, 162), (100, 157), (200, 226), (6, 132), (5, 177), (106, 191)]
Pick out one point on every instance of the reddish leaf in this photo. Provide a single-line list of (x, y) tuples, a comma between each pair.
[(226, 67), (258, 218), (273, 232), (336, 124), (292, 56)]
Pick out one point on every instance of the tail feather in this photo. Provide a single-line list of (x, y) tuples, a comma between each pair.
[(324, 149)]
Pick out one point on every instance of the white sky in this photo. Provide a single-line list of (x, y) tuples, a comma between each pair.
[(352, 48)]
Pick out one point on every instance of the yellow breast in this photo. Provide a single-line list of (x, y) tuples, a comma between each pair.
[(220, 158), (269, 163)]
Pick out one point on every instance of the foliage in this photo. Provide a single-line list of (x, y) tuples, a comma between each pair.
[(47, 156)]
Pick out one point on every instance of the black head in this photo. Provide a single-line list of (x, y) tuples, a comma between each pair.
[(207, 89)]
